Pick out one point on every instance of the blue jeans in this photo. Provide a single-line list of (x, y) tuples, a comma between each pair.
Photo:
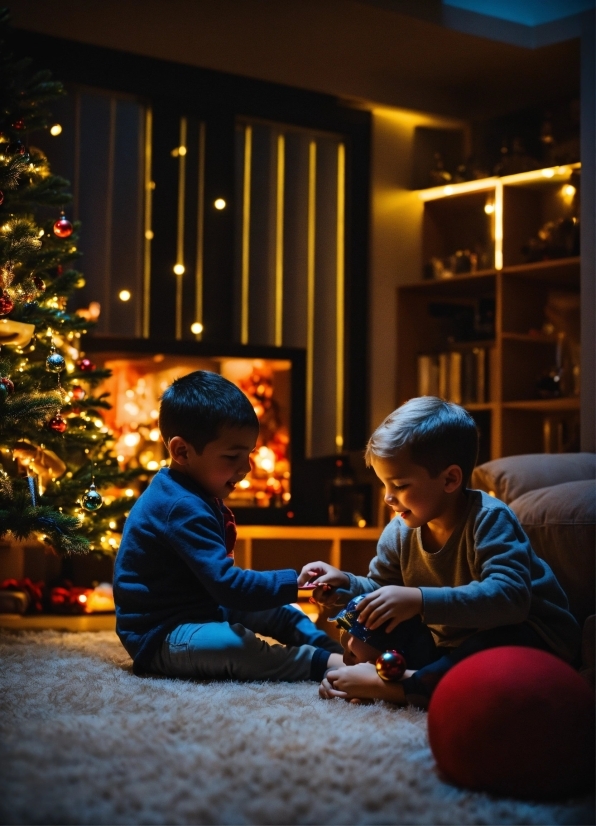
[(230, 650)]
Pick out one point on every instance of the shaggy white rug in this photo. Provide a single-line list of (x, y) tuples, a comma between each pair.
[(86, 742)]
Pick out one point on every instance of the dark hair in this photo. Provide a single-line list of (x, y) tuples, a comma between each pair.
[(197, 406), (436, 434)]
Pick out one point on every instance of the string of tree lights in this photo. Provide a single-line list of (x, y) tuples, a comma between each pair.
[(59, 479)]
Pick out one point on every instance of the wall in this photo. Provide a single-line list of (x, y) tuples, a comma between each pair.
[(396, 217)]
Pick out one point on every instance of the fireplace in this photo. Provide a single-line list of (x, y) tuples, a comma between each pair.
[(273, 380)]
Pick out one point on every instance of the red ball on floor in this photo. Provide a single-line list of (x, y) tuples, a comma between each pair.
[(514, 721)]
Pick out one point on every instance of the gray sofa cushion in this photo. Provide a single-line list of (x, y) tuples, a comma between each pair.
[(561, 524), (512, 476)]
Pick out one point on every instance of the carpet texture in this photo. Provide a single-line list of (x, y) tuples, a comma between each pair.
[(83, 741)]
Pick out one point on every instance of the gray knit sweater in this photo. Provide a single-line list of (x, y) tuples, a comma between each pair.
[(486, 575)]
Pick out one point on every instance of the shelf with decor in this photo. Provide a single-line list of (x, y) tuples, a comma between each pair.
[(494, 323)]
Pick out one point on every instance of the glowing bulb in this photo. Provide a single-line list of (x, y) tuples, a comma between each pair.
[(179, 269), (448, 190), (182, 150), (569, 190), (152, 465), (112, 524), (362, 523), (489, 208), (548, 173), (219, 203), (149, 234), (132, 440), (244, 483), (82, 598), (154, 434), (129, 492), (124, 295), (196, 328), (56, 129)]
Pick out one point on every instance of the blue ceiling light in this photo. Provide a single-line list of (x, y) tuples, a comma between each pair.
[(525, 12)]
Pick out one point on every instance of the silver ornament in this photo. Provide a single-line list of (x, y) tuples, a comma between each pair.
[(92, 500)]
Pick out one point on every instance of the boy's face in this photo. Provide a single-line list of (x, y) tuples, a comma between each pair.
[(357, 651), (223, 462), (412, 492)]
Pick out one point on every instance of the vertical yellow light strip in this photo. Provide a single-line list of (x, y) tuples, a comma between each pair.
[(279, 241), (498, 225), (310, 292), (200, 232), (147, 231), (106, 309), (340, 299), (245, 236), (179, 269)]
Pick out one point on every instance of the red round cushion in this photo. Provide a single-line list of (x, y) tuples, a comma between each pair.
[(514, 721)]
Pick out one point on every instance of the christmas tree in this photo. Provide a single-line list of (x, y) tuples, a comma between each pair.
[(55, 452)]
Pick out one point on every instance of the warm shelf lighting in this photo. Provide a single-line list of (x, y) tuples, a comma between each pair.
[(55, 130), (569, 190), (179, 269), (196, 328), (124, 295), (219, 203), (548, 173)]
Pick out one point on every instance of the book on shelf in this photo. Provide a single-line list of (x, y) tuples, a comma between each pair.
[(457, 376)]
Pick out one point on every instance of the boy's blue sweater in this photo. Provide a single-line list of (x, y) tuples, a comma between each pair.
[(173, 568)]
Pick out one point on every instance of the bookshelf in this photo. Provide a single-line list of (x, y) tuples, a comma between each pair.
[(502, 338)]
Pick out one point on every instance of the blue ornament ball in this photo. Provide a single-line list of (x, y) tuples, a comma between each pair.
[(55, 363), (92, 500)]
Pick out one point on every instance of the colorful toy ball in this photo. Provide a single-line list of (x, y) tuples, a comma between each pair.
[(514, 721), (390, 666)]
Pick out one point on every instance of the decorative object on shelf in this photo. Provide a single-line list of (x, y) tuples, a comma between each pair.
[(62, 227), (438, 175), (516, 161), (391, 666), (344, 501), (556, 239), (92, 499), (55, 362)]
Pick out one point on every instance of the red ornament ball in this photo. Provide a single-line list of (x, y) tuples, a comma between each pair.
[(85, 365), (19, 124), (6, 382), (6, 303), (78, 392), (63, 228), (57, 424), (514, 721), (390, 666), (39, 283)]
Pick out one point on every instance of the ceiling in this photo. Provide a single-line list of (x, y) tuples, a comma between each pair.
[(387, 52)]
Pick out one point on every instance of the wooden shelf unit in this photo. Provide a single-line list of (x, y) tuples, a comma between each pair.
[(512, 417)]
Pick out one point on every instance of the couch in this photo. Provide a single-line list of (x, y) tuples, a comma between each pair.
[(554, 498)]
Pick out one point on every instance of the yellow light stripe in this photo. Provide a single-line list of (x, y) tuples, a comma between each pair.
[(200, 231), (340, 299), (180, 233), (106, 310), (310, 292), (279, 241), (245, 275), (498, 219), (148, 187)]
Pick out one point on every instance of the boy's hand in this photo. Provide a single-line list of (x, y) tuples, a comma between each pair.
[(352, 681), (391, 602), (326, 578)]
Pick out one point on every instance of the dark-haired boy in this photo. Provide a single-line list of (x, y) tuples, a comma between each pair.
[(454, 571), (182, 608)]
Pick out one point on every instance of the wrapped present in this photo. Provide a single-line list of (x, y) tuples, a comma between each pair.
[(14, 602)]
